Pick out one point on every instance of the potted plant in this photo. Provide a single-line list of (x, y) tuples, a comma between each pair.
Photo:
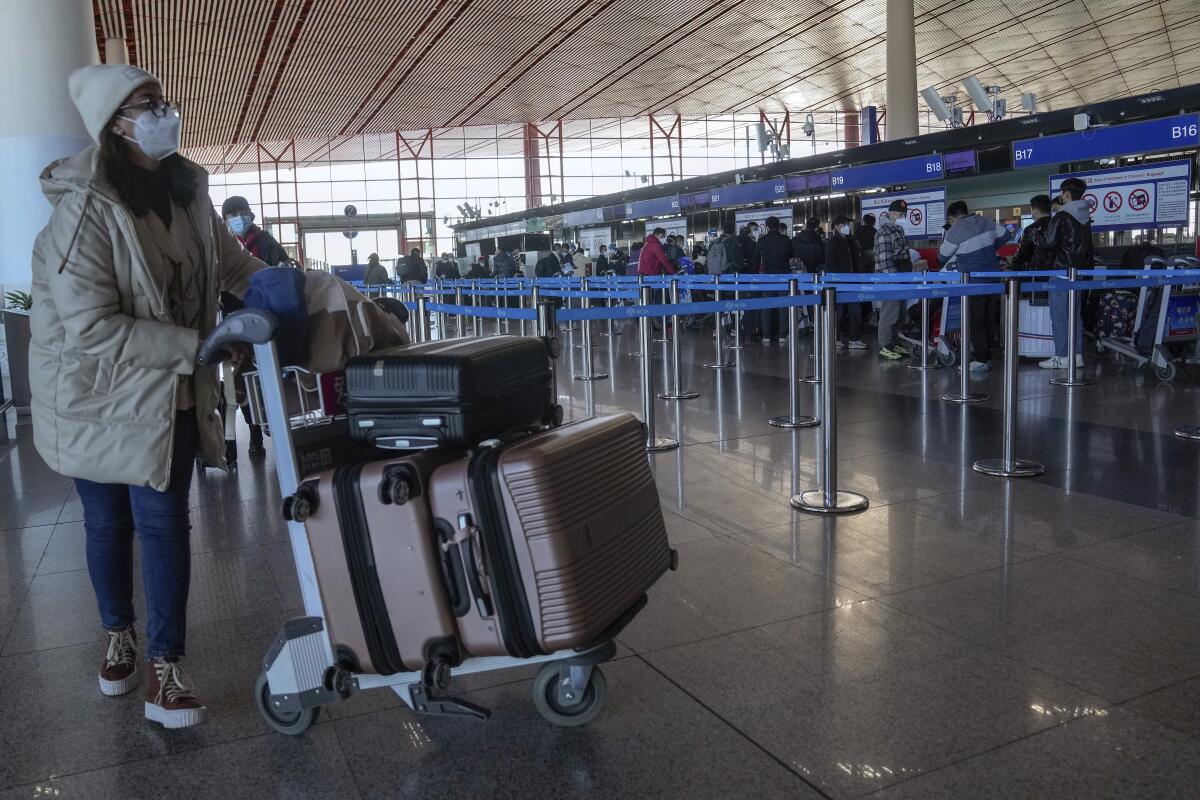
[(16, 340)]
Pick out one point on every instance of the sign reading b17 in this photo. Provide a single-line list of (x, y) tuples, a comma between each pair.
[(1142, 197)]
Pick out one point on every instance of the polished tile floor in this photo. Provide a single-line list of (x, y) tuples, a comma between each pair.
[(966, 637)]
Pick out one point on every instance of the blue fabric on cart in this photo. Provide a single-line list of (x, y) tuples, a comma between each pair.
[(280, 290)]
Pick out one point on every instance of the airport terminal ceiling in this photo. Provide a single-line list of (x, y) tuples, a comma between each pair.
[(280, 70)]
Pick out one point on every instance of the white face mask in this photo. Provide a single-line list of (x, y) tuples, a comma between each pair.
[(844, 230), (157, 137)]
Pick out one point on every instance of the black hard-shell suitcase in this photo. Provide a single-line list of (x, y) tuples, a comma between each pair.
[(451, 393)]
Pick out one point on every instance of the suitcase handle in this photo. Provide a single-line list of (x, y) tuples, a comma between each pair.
[(454, 577), (466, 539)]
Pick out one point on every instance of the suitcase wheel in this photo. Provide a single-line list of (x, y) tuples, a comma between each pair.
[(559, 704), (289, 723)]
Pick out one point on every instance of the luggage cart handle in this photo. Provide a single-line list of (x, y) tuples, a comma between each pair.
[(248, 326)]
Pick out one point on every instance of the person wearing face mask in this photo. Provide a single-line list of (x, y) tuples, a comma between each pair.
[(891, 255), (126, 280), (240, 219), (1067, 242), (653, 260), (841, 255)]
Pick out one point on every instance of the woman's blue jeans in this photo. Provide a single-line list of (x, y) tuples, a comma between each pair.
[(111, 514)]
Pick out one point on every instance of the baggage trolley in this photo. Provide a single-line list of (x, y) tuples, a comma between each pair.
[(1177, 322), (303, 670)]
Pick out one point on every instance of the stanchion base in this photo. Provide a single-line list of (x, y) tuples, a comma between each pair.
[(1079, 381), (721, 365), (660, 341), (596, 376), (814, 379), (659, 443), (965, 398), (634, 355), (734, 347), (814, 501), (1020, 468), (794, 422), (1188, 432), (925, 368), (686, 394)]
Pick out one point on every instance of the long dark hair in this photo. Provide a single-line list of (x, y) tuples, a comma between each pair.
[(128, 179)]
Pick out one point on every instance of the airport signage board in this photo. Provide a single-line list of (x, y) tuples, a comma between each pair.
[(1169, 133), (535, 225), (888, 173), (797, 184), (588, 216), (744, 194), (657, 207), (1128, 198), (926, 211)]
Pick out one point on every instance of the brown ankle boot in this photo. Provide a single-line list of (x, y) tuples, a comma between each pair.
[(118, 671), (169, 698)]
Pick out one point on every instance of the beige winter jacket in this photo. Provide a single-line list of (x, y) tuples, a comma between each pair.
[(105, 357)]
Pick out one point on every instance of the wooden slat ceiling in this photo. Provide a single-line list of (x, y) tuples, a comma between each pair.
[(321, 70)]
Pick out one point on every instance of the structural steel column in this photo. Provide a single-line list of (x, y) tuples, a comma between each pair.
[(901, 70), (41, 44)]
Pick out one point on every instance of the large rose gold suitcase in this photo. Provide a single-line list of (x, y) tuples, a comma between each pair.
[(387, 583), (560, 535)]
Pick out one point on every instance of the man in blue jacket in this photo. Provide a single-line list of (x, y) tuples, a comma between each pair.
[(971, 243)]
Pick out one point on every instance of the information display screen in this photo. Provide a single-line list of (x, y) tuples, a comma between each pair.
[(960, 163), (818, 182)]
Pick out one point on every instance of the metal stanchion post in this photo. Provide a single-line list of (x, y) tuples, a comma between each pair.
[(476, 325), (654, 443), (818, 351), (498, 320), (440, 316), (793, 419), (924, 365), (521, 307), (422, 320), (719, 361), (547, 329), (677, 392), (735, 318), (827, 499), (641, 284), (1073, 378), (1010, 466), (590, 373), (666, 333), (460, 325), (964, 395)]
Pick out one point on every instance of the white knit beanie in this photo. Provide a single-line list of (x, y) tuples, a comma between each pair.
[(99, 90)]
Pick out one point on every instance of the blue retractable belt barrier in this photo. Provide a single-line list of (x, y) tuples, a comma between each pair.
[(884, 294), (706, 307), (483, 311), (891, 277)]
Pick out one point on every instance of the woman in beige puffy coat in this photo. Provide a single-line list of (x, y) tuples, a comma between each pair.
[(126, 278)]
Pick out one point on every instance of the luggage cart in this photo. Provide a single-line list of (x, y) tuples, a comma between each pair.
[(304, 669), (1177, 323)]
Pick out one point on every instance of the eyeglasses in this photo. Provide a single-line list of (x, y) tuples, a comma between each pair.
[(158, 108)]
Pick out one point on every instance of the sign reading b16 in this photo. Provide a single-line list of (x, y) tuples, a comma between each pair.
[(1126, 198)]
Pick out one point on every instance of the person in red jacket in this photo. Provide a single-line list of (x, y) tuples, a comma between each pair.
[(653, 260)]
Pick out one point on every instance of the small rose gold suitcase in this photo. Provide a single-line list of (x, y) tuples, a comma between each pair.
[(560, 535)]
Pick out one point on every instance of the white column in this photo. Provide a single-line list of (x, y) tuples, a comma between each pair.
[(901, 120), (116, 51), (41, 43)]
